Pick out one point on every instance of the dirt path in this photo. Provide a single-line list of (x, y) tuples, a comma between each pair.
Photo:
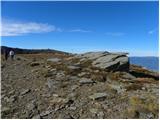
[(18, 79)]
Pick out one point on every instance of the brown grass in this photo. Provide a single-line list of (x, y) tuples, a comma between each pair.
[(99, 76), (45, 73), (145, 80), (144, 106), (43, 56), (134, 86), (115, 75)]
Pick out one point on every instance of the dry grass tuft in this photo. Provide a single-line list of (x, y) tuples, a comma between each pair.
[(115, 75), (99, 76), (132, 113), (45, 73), (145, 80), (143, 106), (134, 86)]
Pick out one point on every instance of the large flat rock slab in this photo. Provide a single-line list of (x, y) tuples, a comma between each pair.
[(108, 61)]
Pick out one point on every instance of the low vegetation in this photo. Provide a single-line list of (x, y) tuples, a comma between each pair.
[(134, 86), (139, 106)]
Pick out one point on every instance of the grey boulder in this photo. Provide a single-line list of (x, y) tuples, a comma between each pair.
[(108, 61)]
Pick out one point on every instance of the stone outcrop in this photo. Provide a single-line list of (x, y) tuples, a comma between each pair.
[(106, 60), (51, 86)]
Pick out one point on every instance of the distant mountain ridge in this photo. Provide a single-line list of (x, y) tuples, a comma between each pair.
[(151, 63), (31, 51)]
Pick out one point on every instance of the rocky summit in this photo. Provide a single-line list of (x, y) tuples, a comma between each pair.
[(108, 61), (93, 85)]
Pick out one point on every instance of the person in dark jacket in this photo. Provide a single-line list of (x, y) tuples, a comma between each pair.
[(6, 54)]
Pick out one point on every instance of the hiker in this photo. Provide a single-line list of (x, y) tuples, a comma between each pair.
[(11, 53), (6, 54)]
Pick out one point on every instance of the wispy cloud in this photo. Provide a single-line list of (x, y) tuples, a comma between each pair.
[(79, 30), (152, 31), (16, 28), (115, 33)]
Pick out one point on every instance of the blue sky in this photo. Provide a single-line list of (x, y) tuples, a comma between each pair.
[(82, 26)]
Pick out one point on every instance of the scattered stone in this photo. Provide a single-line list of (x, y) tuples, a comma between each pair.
[(34, 70), (6, 99), (57, 100), (53, 70), (118, 88), (48, 67), (25, 92), (54, 60), (69, 102), (93, 110), (74, 87), (47, 95), (74, 78), (31, 106), (3, 96), (11, 92), (24, 76), (65, 116), (97, 96), (128, 76), (12, 99), (36, 117), (72, 108), (5, 110), (143, 88), (96, 71), (82, 74), (72, 98), (60, 75), (150, 116), (50, 83), (74, 67), (45, 113), (55, 95), (100, 115), (2, 66), (34, 64), (72, 95), (86, 81)]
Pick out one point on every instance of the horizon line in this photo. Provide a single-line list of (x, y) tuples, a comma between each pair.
[(79, 51)]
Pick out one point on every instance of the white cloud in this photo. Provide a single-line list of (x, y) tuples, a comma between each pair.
[(14, 28), (115, 33), (79, 30), (59, 30)]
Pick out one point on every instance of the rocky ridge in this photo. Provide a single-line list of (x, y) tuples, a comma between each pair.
[(91, 85), (108, 61)]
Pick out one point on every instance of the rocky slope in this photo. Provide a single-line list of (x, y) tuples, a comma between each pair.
[(91, 85)]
